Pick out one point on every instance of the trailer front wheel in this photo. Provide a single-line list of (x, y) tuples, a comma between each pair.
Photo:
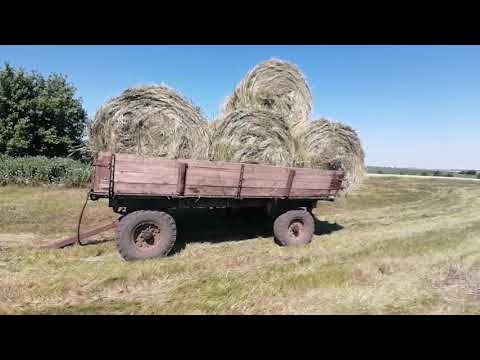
[(294, 227), (146, 234)]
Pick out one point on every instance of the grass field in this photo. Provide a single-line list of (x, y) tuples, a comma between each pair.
[(398, 245)]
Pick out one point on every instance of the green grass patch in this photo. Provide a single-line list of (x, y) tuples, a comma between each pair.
[(40, 170)]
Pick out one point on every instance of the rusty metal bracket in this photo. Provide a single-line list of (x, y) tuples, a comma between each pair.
[(182, 175), (291, 175), (112, 176), (240, 180)]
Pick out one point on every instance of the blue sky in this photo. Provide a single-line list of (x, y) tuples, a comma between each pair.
[(412, 105)]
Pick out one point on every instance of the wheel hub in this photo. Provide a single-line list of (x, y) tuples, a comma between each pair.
[(146, 236), (295, 229)]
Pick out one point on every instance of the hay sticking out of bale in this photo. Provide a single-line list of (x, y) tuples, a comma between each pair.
[(151, 120), (253, 136), (273, 85), (335, 146)]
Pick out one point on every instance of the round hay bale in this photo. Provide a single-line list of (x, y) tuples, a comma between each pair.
[(274, 85), (153, 121), (335, 146), (253, 136)]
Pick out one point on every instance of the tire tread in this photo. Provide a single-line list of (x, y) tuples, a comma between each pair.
[(134, 218)]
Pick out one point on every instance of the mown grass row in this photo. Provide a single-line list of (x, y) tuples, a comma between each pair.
[(40, 170)]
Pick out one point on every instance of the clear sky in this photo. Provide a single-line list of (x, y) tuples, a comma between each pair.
[(412, 105)]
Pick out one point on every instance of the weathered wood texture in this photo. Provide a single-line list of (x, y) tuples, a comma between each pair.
[(200, 178), (137, 175), (101, 180)]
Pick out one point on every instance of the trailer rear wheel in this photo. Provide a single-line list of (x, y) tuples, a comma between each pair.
[(294, 227), (146, 234)]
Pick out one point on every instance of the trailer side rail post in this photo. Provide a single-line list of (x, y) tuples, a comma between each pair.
[(336, 183), (182, 175), (240, 181), (112, 176), (291, 175)]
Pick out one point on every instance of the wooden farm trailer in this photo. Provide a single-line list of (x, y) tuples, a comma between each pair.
[(143, 190)]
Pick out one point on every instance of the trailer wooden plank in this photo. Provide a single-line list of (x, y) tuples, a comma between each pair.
[(141, 168), (169, 178), (262, 192), (313, 177), (136, 159), (319, 184), (211, 164), (308, 192), (205, 190), (261, 170), (143, 188), (264, 183)]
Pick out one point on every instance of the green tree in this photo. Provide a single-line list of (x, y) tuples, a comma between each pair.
[(38, 115)]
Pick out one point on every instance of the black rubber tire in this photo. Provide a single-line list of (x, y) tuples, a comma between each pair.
[(127, 226), (294, 227)]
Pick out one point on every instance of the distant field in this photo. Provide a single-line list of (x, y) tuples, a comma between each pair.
[(467, 178), (398, 245), (420, 172)]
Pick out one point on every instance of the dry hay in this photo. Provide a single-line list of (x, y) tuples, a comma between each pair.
[(151, 120), (278, 92), (253, 136), (273, 85), (461, 285), (266, 120), (334, 146)]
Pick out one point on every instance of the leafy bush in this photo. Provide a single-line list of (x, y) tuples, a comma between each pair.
[(450, 175), (37, 170), (379, 172), (478, 175), (424, 173), (437, 173), (39, 115)]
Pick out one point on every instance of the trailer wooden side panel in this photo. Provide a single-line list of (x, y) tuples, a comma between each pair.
[(101, 179), (264, 181), (314, 183), (134, 175), (146, 176), (210, 178)]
